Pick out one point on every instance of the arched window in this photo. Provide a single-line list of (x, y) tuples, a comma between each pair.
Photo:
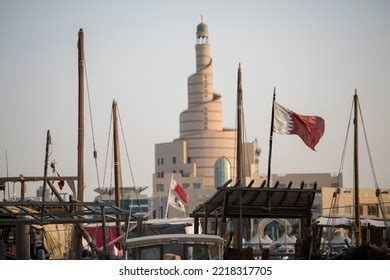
[(222, 169)]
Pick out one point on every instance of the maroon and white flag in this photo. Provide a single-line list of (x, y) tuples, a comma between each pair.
[(179, 190), (309, 128)]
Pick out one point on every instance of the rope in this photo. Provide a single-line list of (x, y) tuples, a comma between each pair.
[(378, 192), (127, 152), (335, 198), (108, 148), (91, 120)]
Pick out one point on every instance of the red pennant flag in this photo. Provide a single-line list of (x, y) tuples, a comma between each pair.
[(61, 184)]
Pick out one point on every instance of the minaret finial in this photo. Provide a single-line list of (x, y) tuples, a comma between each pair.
[(201, 18)]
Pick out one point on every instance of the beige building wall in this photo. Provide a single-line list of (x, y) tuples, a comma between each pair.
[(369, 203), (192, 157), (324, 180)]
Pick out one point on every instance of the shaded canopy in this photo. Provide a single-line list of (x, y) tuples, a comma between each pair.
[(258, 202)]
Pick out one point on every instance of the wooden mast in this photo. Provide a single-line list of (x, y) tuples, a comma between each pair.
[(80, 145), (117, 167), (270, 140), (240, 174), (48, 142), (356, 170)]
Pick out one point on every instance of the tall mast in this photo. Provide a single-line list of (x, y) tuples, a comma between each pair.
[(356, 170), (239, 151), (117, 166), (270, 140), (48, 142), (80, 145), (240, 173)]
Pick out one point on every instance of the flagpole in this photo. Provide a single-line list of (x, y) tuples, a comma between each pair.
[(169, 195), (270, 139)]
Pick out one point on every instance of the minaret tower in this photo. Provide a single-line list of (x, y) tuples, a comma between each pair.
[(204, 106)]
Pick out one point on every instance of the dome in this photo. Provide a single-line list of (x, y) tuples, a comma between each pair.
[(202, 30)]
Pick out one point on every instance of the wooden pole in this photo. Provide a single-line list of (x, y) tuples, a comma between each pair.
[(22, 190), (239, 151), (117, 167), (48, 142), (270, 140), (80, 145), (240, 176), (356, 170)]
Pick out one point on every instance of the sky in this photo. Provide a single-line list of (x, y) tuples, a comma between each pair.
[(141, 53)]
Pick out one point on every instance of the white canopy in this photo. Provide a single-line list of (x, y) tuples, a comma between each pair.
[(285, 238), (347, 222), (266, 240), (253, 240)]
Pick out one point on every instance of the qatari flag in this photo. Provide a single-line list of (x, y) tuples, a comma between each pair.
[(309, 128), (179, 190)]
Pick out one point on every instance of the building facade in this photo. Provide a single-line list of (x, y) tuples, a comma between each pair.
[(369, 204), (203, 157), (323, 180)]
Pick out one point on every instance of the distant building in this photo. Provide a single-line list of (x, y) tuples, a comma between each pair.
[(323, 180), (369, 207), (203, 157), (131, 199)]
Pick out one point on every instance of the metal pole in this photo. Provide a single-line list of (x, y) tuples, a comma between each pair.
[(48, 142), (168, 197), (117, 168), (356, 170), (80, 146), (270, 140)]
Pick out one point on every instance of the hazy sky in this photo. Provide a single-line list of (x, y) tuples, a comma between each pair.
[(141, 53)]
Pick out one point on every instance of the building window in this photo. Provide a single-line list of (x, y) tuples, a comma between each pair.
[(158, 161), (188, 159), (174, 171), (348, 209), (162, 161), (388, 209), (160, 188), (174, 160), (162, 174), (186, 186), (196, 185), (222, 169), (361, 209), (373, 210)]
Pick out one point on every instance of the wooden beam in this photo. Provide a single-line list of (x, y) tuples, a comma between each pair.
[(37, 178)]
